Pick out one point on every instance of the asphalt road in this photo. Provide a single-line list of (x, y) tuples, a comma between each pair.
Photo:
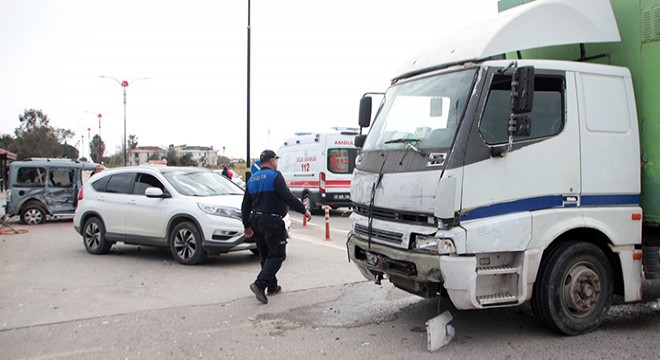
[(59, 302)]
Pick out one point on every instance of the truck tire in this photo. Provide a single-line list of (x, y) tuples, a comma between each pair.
[(573, 289)]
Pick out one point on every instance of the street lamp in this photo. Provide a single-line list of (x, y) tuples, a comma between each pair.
[(99, 116), (124, 85)]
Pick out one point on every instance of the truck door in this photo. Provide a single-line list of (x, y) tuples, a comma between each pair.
[(540, 171)]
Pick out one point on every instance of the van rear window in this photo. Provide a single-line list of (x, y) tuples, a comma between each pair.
[(341, 161)]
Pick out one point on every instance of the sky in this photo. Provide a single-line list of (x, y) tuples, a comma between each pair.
[(311, 61)]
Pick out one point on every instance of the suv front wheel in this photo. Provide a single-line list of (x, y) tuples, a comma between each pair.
[(186, 244)]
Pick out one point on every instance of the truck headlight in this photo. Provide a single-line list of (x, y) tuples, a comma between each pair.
[(426, 242), (437, 245), (220, 210)]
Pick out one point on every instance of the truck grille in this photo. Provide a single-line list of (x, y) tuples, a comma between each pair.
[(382, 235), (386, 214)]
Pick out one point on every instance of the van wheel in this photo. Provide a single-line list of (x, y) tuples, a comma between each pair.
[(33, 215), (186, 244), (94, 237), (573, 290)]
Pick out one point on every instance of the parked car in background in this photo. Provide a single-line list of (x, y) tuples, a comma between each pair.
[(236, 179), (193, 211), (43, 187)]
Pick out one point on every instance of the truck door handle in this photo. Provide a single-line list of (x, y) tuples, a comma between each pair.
[(131, 202)]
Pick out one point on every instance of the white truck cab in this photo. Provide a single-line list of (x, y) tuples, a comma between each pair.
[(506, 181)]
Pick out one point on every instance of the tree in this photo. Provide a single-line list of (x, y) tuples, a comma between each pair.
[(186, 160), (154, 156), (172, 157), (69, 152), (96, 149), (6, 141), (36, 138), (114, 160), (132, 142)]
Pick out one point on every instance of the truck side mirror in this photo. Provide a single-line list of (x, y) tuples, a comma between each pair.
[(359, 141), (365, 112), (522, 90)]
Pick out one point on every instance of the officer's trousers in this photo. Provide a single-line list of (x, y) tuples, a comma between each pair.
[(271, 238)]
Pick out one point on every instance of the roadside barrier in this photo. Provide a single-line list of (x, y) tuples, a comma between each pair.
[(327, 222), (306, 203)]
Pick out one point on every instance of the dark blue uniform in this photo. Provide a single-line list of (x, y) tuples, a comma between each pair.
[(266, 201)]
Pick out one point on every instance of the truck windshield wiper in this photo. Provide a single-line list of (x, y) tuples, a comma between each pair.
[(410, 144), (409, 141)]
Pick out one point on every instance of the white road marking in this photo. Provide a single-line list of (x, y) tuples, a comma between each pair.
[(321, 242), (65, 354)]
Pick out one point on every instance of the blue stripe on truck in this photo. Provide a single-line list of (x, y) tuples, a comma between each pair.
[(548, 202)]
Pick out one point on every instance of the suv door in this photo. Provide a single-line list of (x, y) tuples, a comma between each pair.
[(114, 199), (146, 218), (60, 192)]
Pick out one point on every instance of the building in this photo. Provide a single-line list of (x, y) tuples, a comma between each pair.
[(203, 155), (142, 155)]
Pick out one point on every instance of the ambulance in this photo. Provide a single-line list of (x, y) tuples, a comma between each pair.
[(318, 167)]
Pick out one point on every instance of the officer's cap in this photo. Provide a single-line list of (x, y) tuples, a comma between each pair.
[(266, 155)]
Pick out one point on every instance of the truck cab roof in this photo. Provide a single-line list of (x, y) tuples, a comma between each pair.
[(537, 24)]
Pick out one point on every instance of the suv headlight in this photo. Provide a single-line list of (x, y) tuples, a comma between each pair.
[(220, 210)]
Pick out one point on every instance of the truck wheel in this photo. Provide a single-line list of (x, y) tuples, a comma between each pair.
[(93, 233), (573, 289), (186, 244), (33, 214)]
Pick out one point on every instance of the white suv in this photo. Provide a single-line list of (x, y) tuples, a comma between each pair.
[(192, 211)]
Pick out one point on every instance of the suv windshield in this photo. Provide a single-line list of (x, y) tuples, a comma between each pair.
[(201, 183), (424, 113)]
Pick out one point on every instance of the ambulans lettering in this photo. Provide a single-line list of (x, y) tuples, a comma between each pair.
[(344, 142)]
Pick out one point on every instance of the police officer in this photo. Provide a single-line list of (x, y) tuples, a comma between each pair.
[(266, 201)]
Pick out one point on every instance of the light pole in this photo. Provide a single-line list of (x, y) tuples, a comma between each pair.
[(124, 85), (99, 116), (249, 28)]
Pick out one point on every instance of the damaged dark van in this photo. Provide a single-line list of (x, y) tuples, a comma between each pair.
[(39, 188)]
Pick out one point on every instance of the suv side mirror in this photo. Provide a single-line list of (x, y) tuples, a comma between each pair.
[(522, 90), (154, 192), (365, 112)]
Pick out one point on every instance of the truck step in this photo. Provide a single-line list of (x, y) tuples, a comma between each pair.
[(497, 299), (495, 270)]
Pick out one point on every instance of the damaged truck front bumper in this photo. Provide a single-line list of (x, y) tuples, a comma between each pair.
[(414, 272)]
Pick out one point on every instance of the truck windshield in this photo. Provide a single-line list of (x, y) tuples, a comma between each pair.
[(424, 112)]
